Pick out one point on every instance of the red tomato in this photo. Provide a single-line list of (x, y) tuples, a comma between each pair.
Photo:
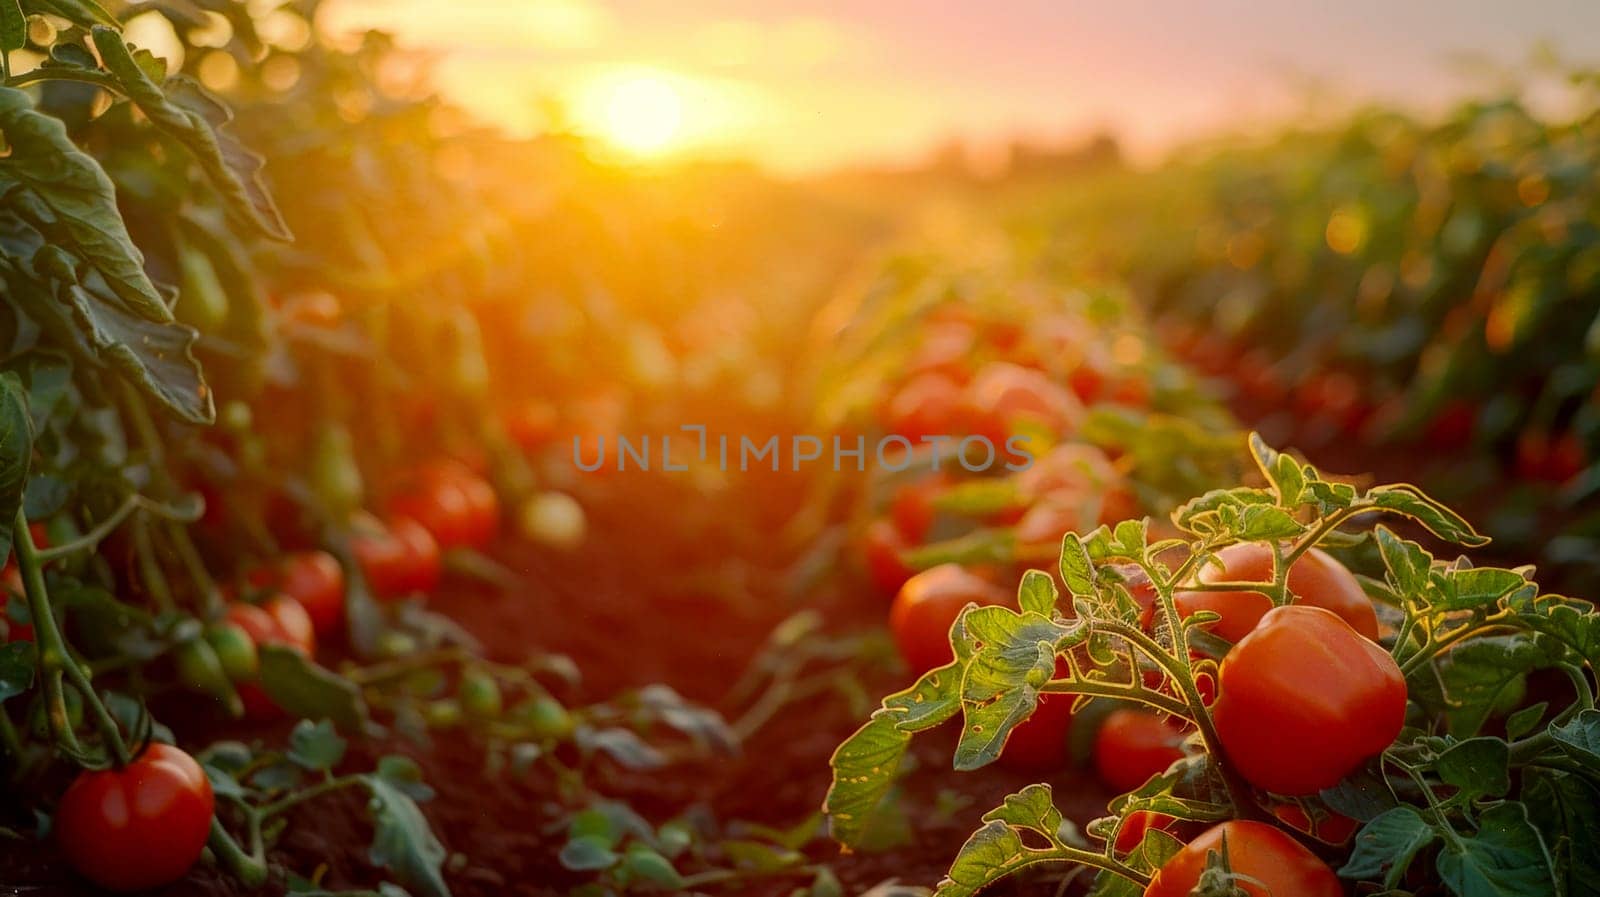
[(1133, 745), (1267, 863), (280, 620), (1139, 822), (1304, 699), (11, 588), (881, 547), (1315, 580), (1015, 393), (912, 509), (1040, 743), (396, 559), (532, 425), (929, 404), (313, 578), (1331, 827), (925, 608), (456, 506), (138, 827)]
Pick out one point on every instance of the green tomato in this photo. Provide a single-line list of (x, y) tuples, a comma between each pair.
[(235, 650), (200, 669), (479, 694), (546, 718)]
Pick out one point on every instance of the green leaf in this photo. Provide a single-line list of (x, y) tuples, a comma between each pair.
[(997, 850), (1477, 768), (315, 746), (999, 689), (1566, 810), (13, 26), (622, 745), (980, 498), (1037, 593), (1385, 847), (198, 120), (1407, 562), (1411, 502), (588, 853), (982, 546), (69, 261), (404, 774), (16, 453), (642, 863), (1032, 807), (1476, 587), (1475, 675), (1268, 523), (1076, 570), (1505, 856), (402, 842), (1525, 720), (16, 669), (303, 689), (1579, 737)]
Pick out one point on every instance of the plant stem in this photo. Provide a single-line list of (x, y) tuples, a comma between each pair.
[(211, 604), (54, 659), (249, 869), (289, 802), (150, 572)]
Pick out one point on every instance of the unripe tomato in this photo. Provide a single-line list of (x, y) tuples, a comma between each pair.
[(235, 650), (546, 718), (479, 694), (1265, 860), (200, 669), (138, 827), (881, 548), (1305, 699), (1133, 745), (927, 605), (1315, 580), (1040, 743), (313, 578)]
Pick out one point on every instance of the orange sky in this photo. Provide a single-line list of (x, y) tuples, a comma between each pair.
[(802, 86)]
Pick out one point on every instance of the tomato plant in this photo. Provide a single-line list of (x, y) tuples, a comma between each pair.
[(1305, 705)]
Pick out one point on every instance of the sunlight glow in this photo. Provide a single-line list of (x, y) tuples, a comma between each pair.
[(643, 115)]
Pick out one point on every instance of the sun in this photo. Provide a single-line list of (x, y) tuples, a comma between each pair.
[(643, 115)]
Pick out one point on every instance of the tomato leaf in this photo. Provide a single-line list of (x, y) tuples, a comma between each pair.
[(1015, 654), (1076, 569), (1037, 593), (16, 453), (640, 862), (196, 119), (983, 546), (1407, 562), (997, 850), (16, 668), (1477, 768), (13, 26), (1525, 720), (315, 746), (866, 764), (1386, 846), (622, 745), (1580, 737), (1411, 502), (402, 842), (1475, 587), (304, 689), (1566, 810), (588, 853), (1505, 856)]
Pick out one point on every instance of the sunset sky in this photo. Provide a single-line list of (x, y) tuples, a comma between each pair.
[(803, 86)]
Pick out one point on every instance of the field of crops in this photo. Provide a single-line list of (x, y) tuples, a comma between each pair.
[(393, 507)]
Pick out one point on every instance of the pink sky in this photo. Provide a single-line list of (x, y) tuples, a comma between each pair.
[(808, 85)]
